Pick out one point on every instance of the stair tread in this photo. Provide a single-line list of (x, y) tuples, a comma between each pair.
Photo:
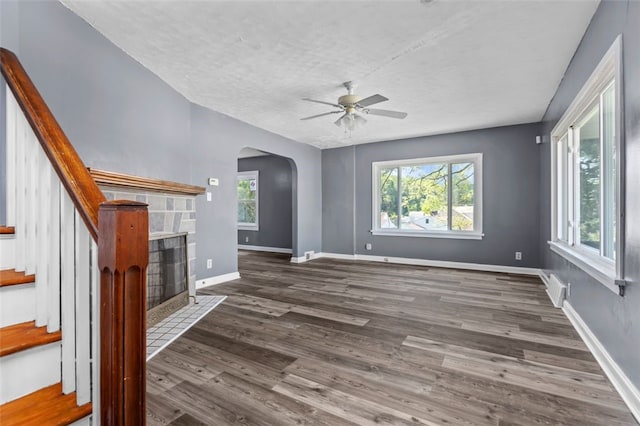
[(7, 230), (12, 277), (19, 337), (47, 406)]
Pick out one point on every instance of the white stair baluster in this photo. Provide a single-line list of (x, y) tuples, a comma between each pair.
[(40, 253), (33, 156), (53, 246), (11, 115), (83, 315), (95, 327), (68, 292), (21, 223)]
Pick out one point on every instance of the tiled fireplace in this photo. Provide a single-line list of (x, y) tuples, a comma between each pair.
[(172, 245)]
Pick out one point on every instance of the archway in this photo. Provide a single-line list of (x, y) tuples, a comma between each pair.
[(266, 202)]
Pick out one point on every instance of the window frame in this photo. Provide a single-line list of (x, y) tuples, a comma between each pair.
[(476, 234), (252, 174), (607, 271)]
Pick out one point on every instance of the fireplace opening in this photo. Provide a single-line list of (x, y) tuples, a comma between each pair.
[(167, 277)]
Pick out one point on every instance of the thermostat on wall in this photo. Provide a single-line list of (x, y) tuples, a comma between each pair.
[(213, 181)]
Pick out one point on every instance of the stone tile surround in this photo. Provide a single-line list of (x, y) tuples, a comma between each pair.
[(168, 214)]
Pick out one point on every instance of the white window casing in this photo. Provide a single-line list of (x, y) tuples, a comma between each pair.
[(249, 176), (599, 263), (450, 160)]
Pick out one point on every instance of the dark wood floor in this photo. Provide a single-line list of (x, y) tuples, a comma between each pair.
[(342, 342)]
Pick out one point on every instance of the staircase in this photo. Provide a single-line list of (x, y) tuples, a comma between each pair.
[(72, 279), (30, 356)]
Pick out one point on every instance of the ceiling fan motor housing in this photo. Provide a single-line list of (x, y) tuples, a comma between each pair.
[(349, 100)]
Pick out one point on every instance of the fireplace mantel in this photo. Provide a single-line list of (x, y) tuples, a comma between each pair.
[(122, 180)]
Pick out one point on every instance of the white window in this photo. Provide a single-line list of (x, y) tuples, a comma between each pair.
[(248, 201), (429, 197), (586, 176)]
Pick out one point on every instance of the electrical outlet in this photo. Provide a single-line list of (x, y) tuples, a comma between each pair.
[(368, 246), (246, 239), (518, 255), (308, 255), (209, 263)]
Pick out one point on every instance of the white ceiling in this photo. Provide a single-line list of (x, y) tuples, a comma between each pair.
[(451, 65)]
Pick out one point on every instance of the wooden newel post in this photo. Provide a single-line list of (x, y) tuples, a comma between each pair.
[(123, 255)]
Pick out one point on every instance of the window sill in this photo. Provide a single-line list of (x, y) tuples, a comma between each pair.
[(599, 269), (449, 235), (248, 228)]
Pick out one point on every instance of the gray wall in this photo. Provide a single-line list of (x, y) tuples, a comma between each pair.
[(510, 202), (121, 117), (216, 141), (8, 40), (338, 186), (614, 320), (275, 202), (117, 114)]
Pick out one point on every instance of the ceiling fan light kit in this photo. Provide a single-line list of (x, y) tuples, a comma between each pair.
[(352, 104)]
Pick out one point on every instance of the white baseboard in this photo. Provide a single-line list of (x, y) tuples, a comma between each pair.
[(434, 263), (337, 256), (308, 255), (218, 279), (544, 277), (262, 248), (629, 393)]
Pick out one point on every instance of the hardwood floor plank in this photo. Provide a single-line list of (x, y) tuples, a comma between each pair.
[(333, 342), (254, 353), (344, 405), (268, 406), (231, 363), (403, 394), (160, 411), (587, 366), (334, 316)]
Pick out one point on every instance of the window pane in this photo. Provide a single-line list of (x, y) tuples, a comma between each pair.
[(462, 194), (247, 199), (246, 189), (246, 211), (424, 197), (609, 173), (389, 198), (589, 175)]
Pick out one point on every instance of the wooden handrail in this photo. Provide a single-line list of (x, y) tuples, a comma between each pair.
[(81, 187)]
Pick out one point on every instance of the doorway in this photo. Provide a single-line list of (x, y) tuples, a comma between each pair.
[(266, 199)]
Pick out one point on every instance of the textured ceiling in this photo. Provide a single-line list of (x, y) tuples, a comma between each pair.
[(451, 65)]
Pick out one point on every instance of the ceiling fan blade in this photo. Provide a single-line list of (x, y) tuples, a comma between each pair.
[(323, 102), (385, 112), (375, 99), (338, 122), (320, 115)]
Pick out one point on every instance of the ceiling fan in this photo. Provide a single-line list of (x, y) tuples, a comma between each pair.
[(350, 105)]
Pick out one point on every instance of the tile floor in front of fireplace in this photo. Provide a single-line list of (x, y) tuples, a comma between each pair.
[(169, 329)]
